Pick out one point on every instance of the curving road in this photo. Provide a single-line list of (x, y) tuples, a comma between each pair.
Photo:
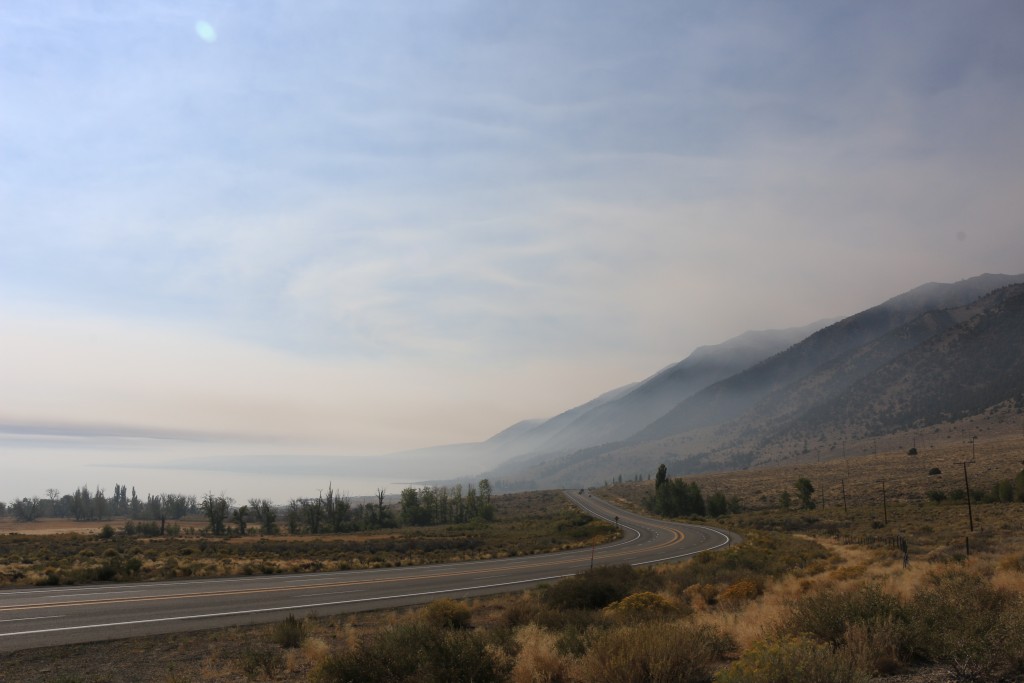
[(36, 617)]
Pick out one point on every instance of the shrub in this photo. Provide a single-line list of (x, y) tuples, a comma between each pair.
[(793, 659), (964, 622), (261, 659), (762, 555), (677, 652), (446, 613), (538, 658), (641, 607), (593, 589), (415, 652), (107, 531), (828, 614), (519, 611), (738, 594), (933, 471), (288, 633)]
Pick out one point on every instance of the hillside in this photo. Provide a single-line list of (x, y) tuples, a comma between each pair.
[(612, 416), (732, 397), (935, 354), (623, 415)]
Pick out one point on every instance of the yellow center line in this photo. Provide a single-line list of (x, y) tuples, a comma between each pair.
[(675, 536)]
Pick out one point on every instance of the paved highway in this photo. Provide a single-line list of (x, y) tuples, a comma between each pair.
[(34, 617)]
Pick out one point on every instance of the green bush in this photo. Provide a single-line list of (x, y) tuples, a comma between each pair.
[(679, 652), (789, 660)]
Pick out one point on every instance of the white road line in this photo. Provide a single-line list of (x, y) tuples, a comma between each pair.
[(279, 609)]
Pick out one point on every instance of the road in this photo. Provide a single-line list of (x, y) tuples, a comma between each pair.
[(36, 617)]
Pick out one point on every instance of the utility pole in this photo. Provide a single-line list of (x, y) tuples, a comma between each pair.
[(885, 509), (843, 484), (967, 487)]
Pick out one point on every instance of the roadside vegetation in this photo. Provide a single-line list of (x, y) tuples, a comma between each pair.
[(779, 607), (879, 588), (519, 524)]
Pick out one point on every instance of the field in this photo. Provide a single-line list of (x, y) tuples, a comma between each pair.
[(908, 509), (818, 595), (55, 552)]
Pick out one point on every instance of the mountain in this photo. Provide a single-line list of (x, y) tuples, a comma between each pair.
[(620, 417), (612, 416), (936, 353), (961, 371), (732, 397)]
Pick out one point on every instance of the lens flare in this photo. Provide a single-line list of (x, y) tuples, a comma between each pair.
[(205, 31)]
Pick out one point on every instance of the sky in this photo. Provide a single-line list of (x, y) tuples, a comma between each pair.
[(286, 229)]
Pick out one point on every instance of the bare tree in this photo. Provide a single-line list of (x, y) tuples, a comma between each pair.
[(265, 513), (216, 510)]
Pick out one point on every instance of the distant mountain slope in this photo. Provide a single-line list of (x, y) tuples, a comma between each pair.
[(834, 377), (959, 372), (618, 418), (544, 432), (732, 397), (936, 353)]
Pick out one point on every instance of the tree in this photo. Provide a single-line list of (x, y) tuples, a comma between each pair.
[(717, 504), (26, 509), (676, 498), (661, 477), (99, 505), (241, 518), (54, 497), (380, 505), (216, 510), (313, 513), (785, 500), (805, 490), (265, 513), (294, 516), (485, 509), (412, 512), (336, 510)]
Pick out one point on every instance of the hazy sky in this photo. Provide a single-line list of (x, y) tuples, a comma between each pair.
[(353, 228)]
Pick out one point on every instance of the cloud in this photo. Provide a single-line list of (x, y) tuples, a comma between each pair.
[(359, 229)]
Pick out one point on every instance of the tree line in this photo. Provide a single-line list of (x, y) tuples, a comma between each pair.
[(441, 505), (330, 512), (88, 505), (678, 498)]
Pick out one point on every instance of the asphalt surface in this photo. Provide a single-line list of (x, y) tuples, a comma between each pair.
[(43, 616)]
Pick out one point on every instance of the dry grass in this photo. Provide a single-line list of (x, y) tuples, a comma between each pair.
[(998, 454), (526, 523), (716, 593), (538, 660)]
